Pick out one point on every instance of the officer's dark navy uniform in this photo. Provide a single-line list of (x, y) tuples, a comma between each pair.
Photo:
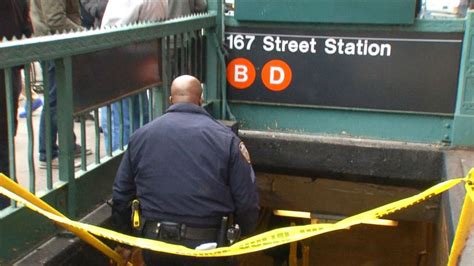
[(188, 169)]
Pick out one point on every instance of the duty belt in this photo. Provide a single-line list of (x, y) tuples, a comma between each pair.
[(165, 230)]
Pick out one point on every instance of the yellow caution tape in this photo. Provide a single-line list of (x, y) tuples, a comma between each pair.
[(470, 185), (307, 215), (15, 189), (256, 243), (466, 221)]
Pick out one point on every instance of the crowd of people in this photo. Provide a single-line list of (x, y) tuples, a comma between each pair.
[(187, 171)]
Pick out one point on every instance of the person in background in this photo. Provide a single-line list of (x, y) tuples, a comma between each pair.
[(14, 22), (50, 17), (177, 8), (35, 104), (123, 12), (92, 12)]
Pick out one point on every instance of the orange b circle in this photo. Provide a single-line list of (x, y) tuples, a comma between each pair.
[(240, 73), (276, 75)]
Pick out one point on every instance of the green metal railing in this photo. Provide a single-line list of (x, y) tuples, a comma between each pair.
[(182, 46)]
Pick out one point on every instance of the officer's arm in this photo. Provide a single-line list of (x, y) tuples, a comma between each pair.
[(124, 192), (243, 188)]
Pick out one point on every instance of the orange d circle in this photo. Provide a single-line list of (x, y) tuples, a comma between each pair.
[(276, 75), (240, 73)]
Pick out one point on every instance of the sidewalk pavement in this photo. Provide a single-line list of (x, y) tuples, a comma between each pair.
[(21, 149)]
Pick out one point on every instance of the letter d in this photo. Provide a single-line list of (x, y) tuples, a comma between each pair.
[(276, 75), (281, 75)]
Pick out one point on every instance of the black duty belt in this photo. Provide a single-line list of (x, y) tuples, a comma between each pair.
[(164, 230)]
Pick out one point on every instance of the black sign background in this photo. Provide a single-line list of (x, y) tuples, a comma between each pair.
[(420, 75)]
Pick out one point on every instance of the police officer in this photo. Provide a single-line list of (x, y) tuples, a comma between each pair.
[(188, 171)]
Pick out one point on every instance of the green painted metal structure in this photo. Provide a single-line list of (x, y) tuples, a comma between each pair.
[(328, 11), (450, 130), (463, 125), (78, 192), (345, 123)]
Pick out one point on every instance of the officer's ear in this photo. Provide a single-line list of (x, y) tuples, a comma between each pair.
[(171, 99), (201, 97)]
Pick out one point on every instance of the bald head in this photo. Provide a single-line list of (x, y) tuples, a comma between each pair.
[(186, 89)]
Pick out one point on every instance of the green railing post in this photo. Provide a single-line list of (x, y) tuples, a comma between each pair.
[(463, 126), (83, 143), (159, 99), (29, 125), (109, 130), (166, 73), (97, 136), (9, 86), (212, 90), (121, 127), (66, 134), (151, 109), (47, 123)]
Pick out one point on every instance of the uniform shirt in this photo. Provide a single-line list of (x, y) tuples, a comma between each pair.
[(188, 168)]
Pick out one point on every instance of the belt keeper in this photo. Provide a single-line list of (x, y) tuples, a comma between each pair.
[(182, 231), (157, 228)]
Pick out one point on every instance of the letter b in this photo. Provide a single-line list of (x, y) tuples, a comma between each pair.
[(240, 73)]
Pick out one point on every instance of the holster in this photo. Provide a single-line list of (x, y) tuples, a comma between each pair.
[(137, 220), (222, 236), (138, 231), (228, 234)]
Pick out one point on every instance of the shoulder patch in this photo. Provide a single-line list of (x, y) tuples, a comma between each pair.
[(244, 151)]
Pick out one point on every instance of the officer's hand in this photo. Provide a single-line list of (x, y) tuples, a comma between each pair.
[(125, 253), (132, 256)]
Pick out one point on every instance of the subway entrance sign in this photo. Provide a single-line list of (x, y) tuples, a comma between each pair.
[(393, 71)]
